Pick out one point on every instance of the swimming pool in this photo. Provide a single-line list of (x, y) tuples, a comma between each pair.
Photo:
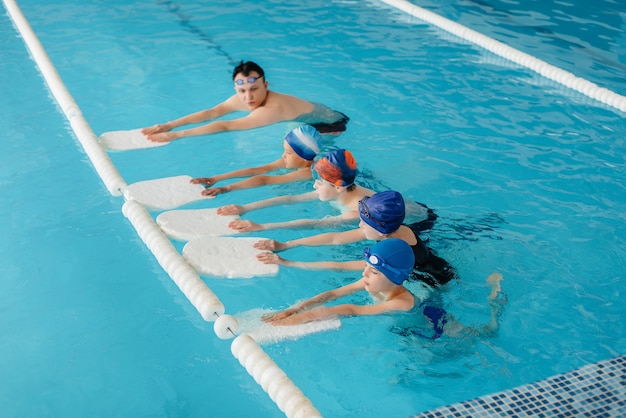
[(527, 178)]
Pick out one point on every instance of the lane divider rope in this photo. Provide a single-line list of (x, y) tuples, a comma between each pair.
[(549, 71), (251, 356)]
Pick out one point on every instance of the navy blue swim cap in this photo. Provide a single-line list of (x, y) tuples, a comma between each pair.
[(393, 257), (384, 211)]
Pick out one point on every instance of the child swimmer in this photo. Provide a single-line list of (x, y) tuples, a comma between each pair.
[(334, 183), (301, 145), (389, 264), (381, 218)]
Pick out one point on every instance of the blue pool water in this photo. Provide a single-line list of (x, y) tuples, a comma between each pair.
[(526, 176)]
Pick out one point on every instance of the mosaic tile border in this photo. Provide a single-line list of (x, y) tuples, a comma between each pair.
[(596, 390)]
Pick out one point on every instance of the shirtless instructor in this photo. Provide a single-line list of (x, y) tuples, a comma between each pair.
[(265, 106)]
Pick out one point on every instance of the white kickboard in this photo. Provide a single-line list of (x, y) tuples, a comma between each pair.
[(188, 224), (166, 193), (127, 140), (227, 257), (250, 323)]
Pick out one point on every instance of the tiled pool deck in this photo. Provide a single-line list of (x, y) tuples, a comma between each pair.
[(595, 390)]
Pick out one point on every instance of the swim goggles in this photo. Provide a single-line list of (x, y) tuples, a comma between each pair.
[(365, 213), (317, 177), (377, 261), (250, 80)]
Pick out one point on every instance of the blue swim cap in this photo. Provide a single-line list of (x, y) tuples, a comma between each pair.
[(337, 167), (393, 257), (384, 211), (305, 141)]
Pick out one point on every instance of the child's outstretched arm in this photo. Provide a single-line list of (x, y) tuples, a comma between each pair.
[(273, 258), (316, 300), (310, 311), (328, 238), (257, 181), (260, 204), (244, 225), (243, 172)]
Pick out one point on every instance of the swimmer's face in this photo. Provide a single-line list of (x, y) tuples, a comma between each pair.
[(370, 233), (325, 190), (374, 280), (252, 95), (290, 158)]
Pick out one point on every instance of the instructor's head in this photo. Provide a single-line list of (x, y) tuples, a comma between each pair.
[(250, 84)]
